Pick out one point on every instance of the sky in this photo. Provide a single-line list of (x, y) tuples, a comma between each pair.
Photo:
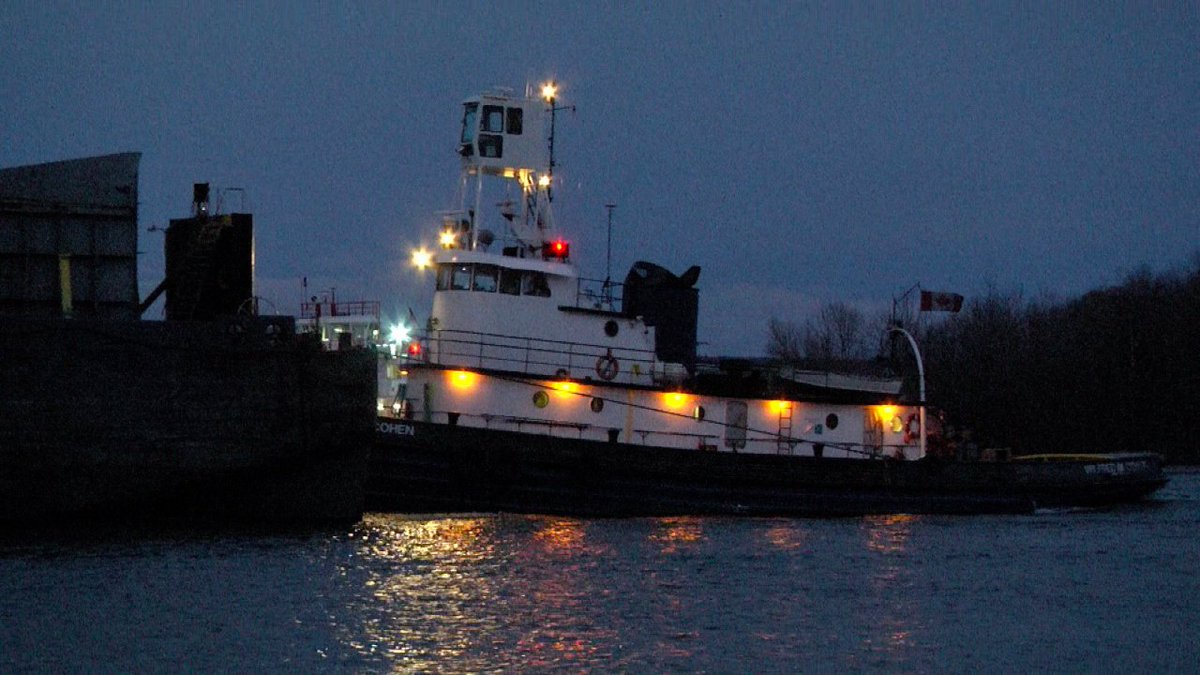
[(799, 153)]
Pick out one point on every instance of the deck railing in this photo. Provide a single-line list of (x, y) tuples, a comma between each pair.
[(598, 294), (534, 356), (325, 310)]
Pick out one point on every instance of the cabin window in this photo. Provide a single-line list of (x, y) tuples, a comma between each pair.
[(515, 120), (470, 122), (493, 118), (460, 278), (485, 278), (534, 283), (510, 281), (491, 145), (443, 276)]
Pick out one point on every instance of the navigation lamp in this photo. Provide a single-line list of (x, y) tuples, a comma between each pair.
[(447, 238), (557, 249), (421, 258), (544, 180), (399, 333), (414, 350), (549, 91)]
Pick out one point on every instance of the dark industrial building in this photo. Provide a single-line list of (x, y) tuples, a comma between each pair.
[(68, 238)]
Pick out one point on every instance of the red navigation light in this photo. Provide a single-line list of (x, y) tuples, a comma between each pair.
[(414, 350), (557, 249)]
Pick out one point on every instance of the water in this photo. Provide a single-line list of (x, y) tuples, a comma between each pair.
[(1110, 590)]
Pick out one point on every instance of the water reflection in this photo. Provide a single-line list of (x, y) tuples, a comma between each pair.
[(888, 534), (494, 592), (786, 535), (676, 533), (564, 536), (427, 585), (504, 593), (892, 582)]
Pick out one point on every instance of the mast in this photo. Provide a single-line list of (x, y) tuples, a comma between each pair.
[(549, 93)]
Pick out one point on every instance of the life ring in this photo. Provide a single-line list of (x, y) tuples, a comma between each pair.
[(607, 367), (912, 427)]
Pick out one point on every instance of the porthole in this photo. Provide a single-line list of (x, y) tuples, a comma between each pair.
[(541, 399), (698, 413), (597, 405), (611, 328), (831, 421)]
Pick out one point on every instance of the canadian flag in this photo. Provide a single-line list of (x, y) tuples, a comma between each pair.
[(932, 301)]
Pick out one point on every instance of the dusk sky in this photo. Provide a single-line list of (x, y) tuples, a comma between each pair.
[(798, 153)]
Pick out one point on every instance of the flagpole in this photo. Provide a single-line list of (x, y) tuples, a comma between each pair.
[(921, 381)]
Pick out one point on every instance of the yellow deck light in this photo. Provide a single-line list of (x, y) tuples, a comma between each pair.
[(675, 400), (462, 379), (780, 407), (564, 389)]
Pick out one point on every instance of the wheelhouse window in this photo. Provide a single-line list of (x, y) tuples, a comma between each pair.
[(491, 145), (535, 283), (470, 122), (493, 119), (460, 278), (485, 278), (510, 281), (515, 121)]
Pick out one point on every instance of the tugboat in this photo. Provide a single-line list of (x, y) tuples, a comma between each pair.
[(532, 389)]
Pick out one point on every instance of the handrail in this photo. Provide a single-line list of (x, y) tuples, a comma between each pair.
[(309, 310), (599, 293), (526, 354)]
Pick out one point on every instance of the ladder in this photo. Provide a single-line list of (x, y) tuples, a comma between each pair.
[(784, 442)]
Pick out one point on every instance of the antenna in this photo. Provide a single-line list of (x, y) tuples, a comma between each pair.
[(608, 250), (550, 92), (608, 259)]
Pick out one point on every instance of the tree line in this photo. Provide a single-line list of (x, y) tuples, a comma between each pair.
[(1115, 370)]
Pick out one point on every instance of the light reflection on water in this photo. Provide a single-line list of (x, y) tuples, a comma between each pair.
[(539, 592), (1110, 590), (440, 566)]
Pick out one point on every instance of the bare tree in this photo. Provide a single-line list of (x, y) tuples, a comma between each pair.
[(784, 340), (838, 332)]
